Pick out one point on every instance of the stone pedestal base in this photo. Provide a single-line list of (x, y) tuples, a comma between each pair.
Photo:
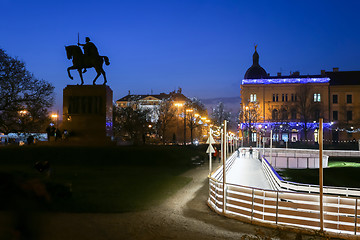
[(87, 112)]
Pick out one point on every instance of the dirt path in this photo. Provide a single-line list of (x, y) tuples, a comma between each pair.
[(183, 216)]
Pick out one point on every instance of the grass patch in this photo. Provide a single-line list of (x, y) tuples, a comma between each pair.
[(342, 172), (103, 179)]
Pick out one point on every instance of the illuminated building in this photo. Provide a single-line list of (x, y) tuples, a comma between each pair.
[(151, 101), (292, 105)]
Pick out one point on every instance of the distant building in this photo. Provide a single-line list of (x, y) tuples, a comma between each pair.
[(292, 105), (151, 101)]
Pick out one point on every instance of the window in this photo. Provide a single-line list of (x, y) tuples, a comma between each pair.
[(286, 97), (349, 98), (275, 114), (283, 97), (349, 115), (273, 97), (292, 97), (317, 97), (277, 97), (335, 98), (252, 97), (295, 98), (335, 115)]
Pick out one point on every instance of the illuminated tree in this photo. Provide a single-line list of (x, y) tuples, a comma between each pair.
[(195, 109), (250, 114), (219, 114), (24, 100)]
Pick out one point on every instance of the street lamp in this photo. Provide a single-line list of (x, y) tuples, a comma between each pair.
[(55, 117)]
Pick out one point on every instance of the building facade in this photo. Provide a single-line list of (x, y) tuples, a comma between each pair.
[(291, 105)]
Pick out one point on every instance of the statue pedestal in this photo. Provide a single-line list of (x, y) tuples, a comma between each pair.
[(87, 112)]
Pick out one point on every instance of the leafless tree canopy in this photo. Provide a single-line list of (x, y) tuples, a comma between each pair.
[(24, 100)]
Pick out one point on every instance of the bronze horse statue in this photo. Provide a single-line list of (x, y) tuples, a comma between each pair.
[(80, 61)]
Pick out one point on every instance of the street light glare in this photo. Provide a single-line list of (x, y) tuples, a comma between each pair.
[(178, 104)]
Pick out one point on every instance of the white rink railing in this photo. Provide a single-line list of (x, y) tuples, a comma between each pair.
[(276, 182), (284, 208), (295, 158)]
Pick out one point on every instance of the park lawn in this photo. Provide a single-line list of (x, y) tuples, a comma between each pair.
[(104, 179), (342, 172)]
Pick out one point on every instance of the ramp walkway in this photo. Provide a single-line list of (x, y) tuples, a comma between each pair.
[(247, 171)]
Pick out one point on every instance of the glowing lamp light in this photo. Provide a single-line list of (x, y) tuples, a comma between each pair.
[(23, 112), (196, 115), (178, 104), (54, 115)]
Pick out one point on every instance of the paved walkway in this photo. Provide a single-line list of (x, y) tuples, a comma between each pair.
[(247, 171)]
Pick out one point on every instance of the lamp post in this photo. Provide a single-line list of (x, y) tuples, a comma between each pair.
[(191, 124), (178, 105), (184, 126), (249, 130)]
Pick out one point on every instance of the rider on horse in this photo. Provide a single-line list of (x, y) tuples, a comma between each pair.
[(90, 50)]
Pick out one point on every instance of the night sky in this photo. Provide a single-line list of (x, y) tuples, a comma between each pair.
[(204, 47)]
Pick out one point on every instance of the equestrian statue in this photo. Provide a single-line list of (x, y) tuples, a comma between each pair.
[(89, 59)]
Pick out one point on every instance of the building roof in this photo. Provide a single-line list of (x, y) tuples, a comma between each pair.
[(176, 96), (344, 77)]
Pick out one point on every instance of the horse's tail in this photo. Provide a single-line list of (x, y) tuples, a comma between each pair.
[(106, 60)]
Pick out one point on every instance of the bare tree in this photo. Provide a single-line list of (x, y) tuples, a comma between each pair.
[(24, 100), (250, 114), (305, 106), (166, 114), (193, 117), (219, 114), (131, 123)]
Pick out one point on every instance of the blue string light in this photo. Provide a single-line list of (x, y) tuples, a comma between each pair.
[(286, 80)]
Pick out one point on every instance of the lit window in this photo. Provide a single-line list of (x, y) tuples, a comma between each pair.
[(317, 97), (252, 97)]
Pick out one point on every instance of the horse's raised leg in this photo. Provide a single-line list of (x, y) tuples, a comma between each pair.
[(81, 76)]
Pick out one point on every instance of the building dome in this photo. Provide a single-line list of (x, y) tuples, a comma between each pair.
[(255, 71)]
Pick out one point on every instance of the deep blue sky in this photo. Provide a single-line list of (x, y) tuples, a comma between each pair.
[(205, 47)]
